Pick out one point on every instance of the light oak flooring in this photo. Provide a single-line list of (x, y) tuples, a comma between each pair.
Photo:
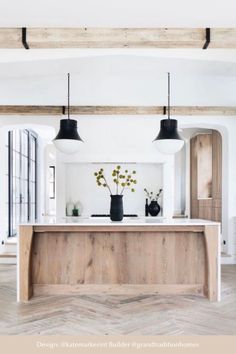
[(117, 315)]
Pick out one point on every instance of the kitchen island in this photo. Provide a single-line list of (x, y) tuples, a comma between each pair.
[(135, 256)]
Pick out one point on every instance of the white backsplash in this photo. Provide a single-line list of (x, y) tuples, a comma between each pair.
[(81, 186)]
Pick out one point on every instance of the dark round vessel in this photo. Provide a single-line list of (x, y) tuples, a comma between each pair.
[(154, 208), (116, 210)]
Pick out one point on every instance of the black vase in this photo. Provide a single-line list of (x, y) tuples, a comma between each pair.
[(116, 210), (154, 208)]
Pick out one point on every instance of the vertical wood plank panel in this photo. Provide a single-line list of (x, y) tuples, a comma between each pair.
[(212, 261), (25, 281)]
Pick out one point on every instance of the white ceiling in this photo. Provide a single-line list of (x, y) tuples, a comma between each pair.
[(118, 80), (117, 76), (118, 13), (119, 64)]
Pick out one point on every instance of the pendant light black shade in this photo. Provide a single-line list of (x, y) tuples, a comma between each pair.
[(68, 139), (168, 130), (68, 130), (168, 141)]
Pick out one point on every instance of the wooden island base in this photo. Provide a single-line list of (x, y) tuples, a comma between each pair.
[(163, 259)]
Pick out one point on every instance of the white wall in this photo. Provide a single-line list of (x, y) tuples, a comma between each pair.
[(81, 186), (180, 182), (49, 160)]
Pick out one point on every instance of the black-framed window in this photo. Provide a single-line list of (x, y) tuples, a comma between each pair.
[(22, 178), (52, 182)]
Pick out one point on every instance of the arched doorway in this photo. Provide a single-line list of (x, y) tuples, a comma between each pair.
[(206, 176)]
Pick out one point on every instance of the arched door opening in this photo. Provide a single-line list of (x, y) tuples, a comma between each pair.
[(206, 176)]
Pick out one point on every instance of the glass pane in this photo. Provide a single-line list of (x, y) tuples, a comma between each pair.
[(32, 171), (24, 193), (16, 164), (32, 211), (32, 148), (14, 219), (13, 134), (16, 190), (24, 212), (24, 167), (16, 213), (24, 143), (32, 192), (6, 210)]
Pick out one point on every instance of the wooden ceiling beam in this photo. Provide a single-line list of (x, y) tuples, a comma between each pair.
[(117, 110), (43, 38)]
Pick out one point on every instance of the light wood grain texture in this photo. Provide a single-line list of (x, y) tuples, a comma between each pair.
[(116, 228), (206, 176), (217, 176), (10, 38), (31, 110), (23, 110), (218, 35), (115, 37), (118, 258), (212, 251), (193, 179), (205, 210), (38, 38), (25, 253), (71, 257), (123, 289), (204, 161)]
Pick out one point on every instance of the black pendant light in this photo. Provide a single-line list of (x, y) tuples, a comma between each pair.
[(168, 140), (68, 140)]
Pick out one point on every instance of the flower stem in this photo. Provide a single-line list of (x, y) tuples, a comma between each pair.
[(117, 183), (107, 185), (122, 191)]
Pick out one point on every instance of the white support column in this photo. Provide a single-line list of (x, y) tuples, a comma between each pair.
[(168, 188), (60, 186), (3, 184)]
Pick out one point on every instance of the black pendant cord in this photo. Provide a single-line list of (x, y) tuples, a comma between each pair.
[(68, 96), (168, 95)]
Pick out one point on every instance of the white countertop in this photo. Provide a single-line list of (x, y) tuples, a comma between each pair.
[(127, 221)]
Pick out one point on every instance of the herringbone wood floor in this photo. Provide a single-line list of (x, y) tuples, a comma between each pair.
[(99, 314)]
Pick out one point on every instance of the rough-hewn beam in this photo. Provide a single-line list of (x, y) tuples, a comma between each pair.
[(118, 110), (117, 37), (10, 38), (31, 110)]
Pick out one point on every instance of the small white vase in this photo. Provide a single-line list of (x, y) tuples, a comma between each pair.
[(69, 208)]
